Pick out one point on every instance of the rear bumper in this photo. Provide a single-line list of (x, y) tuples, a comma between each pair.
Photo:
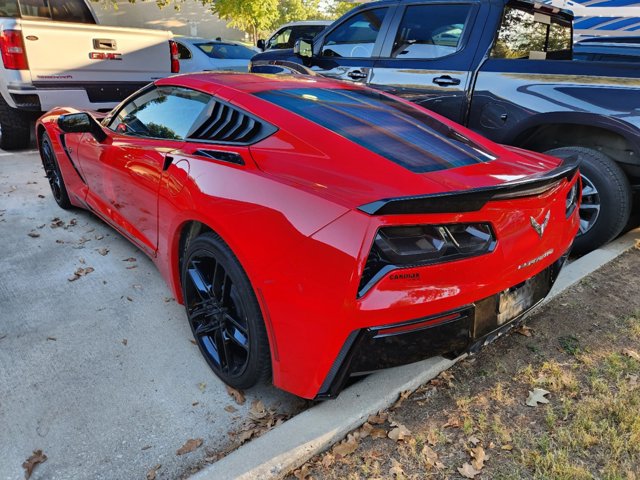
[(468, 328)]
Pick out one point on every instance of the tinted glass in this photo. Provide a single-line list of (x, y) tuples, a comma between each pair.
[(183, 52), (226, 50), (399, 132), (9, 8), (524, 34), (430, 31), (58, 10), (356, 36), (287, 37), (165, 112)]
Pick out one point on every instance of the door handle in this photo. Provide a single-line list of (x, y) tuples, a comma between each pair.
[(356, 75), (446, 80)]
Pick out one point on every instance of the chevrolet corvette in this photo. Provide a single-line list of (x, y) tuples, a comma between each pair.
[(317, 230)]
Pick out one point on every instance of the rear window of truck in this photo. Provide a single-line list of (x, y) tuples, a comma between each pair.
[(397, 131), (58, 10), (527, 34)]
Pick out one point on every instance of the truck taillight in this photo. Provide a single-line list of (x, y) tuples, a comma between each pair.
[(12, 49), (175, 62)]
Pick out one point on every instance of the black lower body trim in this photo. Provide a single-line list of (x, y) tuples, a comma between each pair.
[(451, 333)]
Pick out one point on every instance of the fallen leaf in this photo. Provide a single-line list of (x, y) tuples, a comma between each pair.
[(190, 446), (347, 447), (327, 460), (30, 463), (637, 244), (430, 456), (103, 251), (506, 447), (53, 339), (230, 409), (467, 471), (202, 386), (33, 234), (193, 404), (401, 398), (537, 396), (124, 342), (146, 447), (473, 440), (478, 458), (524, 330), (399, 433), (40, 196), (169, 299), (365, 430), (151, 474), (132, 267), (303, 472), (80, 272), (193, 341), (56, 222), (98, 237), (396, 470), (257, 411), (378, 419), (633, 379), (631, 353), (452, 422), (378, 433), (130, 259), (238, 395)]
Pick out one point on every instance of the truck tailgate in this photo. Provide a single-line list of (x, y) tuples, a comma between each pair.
[(72, 53)]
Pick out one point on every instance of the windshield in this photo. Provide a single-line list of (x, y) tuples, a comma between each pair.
[(58, 10), (400, 132), (226, 50)]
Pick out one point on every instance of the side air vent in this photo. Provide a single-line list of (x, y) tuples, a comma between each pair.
[(229, 157), (226, 124)]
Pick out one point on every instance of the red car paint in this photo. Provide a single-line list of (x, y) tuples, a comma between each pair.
[(290, 214)]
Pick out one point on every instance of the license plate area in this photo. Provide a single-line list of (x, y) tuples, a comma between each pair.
[(519, 298)]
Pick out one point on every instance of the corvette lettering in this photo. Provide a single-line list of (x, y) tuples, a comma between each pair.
[(533, 261), (105, 56)]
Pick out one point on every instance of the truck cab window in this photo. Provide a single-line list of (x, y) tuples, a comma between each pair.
[(58, 10), (430, 31), (527, 35), (356, 37), (9, 8)]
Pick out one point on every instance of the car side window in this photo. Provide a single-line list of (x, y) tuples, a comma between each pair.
[(430, 31), (183, 52), (280, 39), (164, 112), (355, 37), (532, 35)]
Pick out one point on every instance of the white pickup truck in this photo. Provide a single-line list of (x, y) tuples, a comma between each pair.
[(54, 53)]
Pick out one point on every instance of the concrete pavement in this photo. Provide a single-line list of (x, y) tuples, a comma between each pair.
[(100, 373)]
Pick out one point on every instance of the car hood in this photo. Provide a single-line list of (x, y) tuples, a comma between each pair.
[(356, 176)]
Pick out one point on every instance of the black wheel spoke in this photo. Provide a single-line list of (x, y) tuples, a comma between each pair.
[(198, 281), (235, 323), (207, 328)]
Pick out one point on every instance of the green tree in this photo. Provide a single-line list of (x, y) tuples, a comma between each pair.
[(298, 10), (255, 17), (338, 8)]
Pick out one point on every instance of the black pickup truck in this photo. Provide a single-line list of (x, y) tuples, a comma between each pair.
[(504, 69)]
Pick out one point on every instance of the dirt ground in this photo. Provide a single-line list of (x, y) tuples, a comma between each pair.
[(578, 356)]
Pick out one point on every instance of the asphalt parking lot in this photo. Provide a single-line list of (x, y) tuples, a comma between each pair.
[(100, 372)]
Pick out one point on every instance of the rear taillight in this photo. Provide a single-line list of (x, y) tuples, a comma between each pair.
[(175, 59), (12, 49)]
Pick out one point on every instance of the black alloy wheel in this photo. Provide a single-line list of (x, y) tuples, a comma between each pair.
[(605, 205), (224, 314), (52, 171)]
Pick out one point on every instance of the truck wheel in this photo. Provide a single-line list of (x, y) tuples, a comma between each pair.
[(15, 127), (606, 198)]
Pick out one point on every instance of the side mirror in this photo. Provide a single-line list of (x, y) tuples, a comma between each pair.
[(261, 44), (303, 47), (81, 123)]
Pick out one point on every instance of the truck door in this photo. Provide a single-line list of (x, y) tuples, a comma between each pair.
[(346, 52), (427, 56)]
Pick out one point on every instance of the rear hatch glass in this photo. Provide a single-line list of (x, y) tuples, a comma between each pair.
[(397, 131)]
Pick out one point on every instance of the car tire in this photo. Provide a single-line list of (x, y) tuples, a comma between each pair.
[(606, 198), (15, 127), (224, 314), (53, 173)]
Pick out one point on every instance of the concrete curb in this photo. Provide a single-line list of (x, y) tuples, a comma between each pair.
[(290, 445)]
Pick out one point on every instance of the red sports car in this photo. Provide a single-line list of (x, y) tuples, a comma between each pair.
[(317, 230)]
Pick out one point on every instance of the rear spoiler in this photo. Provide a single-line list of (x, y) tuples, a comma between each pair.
[(474, 199)]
